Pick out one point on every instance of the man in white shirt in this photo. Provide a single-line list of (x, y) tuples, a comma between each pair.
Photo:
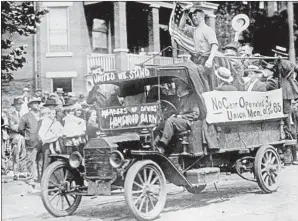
[(204, 36)]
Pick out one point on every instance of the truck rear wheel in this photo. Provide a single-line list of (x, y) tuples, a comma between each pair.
[(267, 168)]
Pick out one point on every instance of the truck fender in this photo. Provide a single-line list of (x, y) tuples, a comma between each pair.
[(170, 171), (63, 157)]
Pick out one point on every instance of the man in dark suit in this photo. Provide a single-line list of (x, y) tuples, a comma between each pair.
[(18, 142), (250, 81), (188, 111), (28, 127)]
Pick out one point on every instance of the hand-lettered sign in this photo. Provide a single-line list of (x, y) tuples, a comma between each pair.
[(129, 117), (101, 77), (235, 106)]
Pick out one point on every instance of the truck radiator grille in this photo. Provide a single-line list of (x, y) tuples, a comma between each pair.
[(97, 163)]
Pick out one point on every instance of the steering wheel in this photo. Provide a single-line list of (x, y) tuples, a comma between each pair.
[(167, 109)]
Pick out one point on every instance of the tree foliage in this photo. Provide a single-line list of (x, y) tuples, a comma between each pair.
[(263, 33), (228, 10), (17, 18)]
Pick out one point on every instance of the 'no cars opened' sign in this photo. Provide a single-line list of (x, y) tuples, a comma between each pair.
[(235, 106)]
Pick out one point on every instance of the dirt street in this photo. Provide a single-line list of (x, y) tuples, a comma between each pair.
[(242, 200)]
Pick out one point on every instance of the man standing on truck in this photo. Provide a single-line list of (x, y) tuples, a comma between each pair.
[(204, 36)]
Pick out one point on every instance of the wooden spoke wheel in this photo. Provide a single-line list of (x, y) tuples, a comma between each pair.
[(267, 168), (57, 189), (145, 190)]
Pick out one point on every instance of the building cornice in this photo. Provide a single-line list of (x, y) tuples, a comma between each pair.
[(206, 5), (159, 4), (91, 3)]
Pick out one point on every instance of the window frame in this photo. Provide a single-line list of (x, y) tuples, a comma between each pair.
[(67, 53), (52, 83)]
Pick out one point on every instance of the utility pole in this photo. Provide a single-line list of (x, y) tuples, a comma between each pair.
[(292, 56)]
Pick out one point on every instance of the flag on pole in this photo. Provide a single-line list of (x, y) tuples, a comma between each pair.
[(188, 43), (176, 33)]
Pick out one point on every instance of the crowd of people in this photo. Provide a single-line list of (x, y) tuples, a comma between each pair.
[(46, 123), (41, 124)]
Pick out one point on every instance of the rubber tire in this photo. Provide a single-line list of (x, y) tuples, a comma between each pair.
[(44, 191), (130, 177), (257, 167)]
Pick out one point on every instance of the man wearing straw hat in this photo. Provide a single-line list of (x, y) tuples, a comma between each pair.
[(225, 79), (250, 81)]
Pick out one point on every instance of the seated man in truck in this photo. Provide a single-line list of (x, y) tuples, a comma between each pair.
[(188, 111)]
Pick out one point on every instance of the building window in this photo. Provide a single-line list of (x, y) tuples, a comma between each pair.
[(65, 83), (58, 37)]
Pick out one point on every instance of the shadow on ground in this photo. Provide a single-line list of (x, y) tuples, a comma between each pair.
[(179, 201)]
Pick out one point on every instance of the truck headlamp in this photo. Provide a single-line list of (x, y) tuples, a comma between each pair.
[(116, 159), (75, 159)]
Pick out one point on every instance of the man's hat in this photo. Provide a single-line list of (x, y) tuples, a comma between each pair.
[(46, 92), (25, 89), (34, 100), (267, 65), (50, 102), (254, 68), (84, 105), (17, 101), (71, 94), (233, 46), (53, 95), (224, 74), (81, 96), (70, 102), (240, 22), (281, 51), (37, 89), (60, 90)]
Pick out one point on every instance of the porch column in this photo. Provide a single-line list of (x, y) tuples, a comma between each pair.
[(120, 36), (212, 21), (153, 23), (174, 49), (271, 8)]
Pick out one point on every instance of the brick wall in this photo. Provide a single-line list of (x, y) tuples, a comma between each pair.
[(79, 46)]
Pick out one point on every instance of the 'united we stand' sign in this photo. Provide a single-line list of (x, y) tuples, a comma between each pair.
[(235, 106), (99, 76)]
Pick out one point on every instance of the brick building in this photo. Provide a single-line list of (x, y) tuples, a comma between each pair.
[(74, 36)]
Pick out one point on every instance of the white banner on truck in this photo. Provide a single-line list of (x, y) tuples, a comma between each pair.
[(235, 106)]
